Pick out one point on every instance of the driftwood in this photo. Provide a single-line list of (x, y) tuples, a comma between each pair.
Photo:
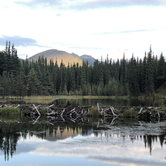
[(36, 120), (112, 122), (17, 106), (98, 107), (76, 114), (112, 109), (36, 108), (60, 114), (140, 111)]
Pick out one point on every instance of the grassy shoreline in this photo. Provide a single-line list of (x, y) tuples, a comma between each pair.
[(56, 97), (38, 99), (90, 97), (50, 99)]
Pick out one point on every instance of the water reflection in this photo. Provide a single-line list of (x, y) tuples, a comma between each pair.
[(10, 134), (90, 102), (124, 143), (109, 102)]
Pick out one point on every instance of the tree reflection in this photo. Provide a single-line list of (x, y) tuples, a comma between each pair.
[(8, 140), (11, 133), (149, 141)]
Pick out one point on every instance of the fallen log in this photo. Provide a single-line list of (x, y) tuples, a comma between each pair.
[(112, 122), (140, 111), (112, 110), (36, 108), (36, 120)]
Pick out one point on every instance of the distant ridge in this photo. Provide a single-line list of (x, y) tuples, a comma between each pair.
[(59, 56), (86, 58)]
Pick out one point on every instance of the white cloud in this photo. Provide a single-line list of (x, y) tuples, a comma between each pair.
[(88, 4), (93, 32)]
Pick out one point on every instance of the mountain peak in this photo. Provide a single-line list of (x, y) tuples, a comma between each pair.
[(59, 56), (86, 58)]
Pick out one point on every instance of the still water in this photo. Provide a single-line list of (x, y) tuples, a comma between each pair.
[(96, 143), (109, 102)]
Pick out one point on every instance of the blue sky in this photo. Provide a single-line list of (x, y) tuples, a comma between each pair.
[(93, 27)]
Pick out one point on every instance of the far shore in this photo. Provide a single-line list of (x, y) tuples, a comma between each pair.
[(49, 99)]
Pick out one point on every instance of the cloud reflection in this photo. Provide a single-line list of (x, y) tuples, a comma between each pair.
[(128, 161), (121, 145), (105, 149)]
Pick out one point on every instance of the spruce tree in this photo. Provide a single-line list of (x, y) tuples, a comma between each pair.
[(161, 71), (32, 83), (2, 62), (150, 74)]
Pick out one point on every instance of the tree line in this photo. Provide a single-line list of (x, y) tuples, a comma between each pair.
[(111, 78)]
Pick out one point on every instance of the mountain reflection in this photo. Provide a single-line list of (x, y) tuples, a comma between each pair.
[(11, 133)]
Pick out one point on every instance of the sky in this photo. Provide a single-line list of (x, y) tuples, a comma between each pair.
[(93, 27)]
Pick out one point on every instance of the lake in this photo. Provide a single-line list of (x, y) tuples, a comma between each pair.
[(109, 102), (89, 102), (100, 142)]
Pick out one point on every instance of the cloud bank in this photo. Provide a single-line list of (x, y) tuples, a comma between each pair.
[(89, 4), (18, 41), (129, 31)]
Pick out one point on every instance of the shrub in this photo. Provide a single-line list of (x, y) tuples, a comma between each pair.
[(9, 111), (127, 113), (43, 110), (130, 113), (94, 111)]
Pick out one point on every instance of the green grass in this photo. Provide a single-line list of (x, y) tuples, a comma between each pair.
[(67, 97), (9, 111), (39, 99), (89, 97)]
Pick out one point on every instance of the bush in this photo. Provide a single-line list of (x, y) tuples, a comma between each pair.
[(43, 110), (9, 111), (130, 113), (94, 111), (127, 113)]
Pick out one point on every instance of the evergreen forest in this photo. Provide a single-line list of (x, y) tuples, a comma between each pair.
[(122, 77)]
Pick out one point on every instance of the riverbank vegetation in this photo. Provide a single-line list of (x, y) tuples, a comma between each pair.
[(123, 77), (59, 114), (38, 99), (9, 111)]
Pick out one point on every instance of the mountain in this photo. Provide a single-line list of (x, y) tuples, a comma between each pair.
[(75, 54), (86, 58), (58, 56)]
